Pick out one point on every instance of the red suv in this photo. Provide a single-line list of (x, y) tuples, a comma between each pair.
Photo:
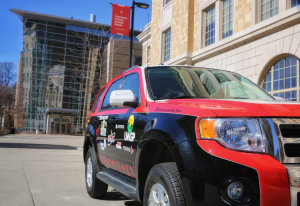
[(179, 135)]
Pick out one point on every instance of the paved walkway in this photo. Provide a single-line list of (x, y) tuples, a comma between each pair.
[(47, 170)]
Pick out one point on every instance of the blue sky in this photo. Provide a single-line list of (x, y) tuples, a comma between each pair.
[(11, 26)]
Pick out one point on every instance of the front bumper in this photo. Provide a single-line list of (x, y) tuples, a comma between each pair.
[(294, 178), (273, 180), (290, 162)]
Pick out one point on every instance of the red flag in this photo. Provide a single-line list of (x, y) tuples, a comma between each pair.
[(120, 20)]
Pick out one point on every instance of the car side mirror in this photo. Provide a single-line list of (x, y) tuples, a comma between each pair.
[(122, 98)]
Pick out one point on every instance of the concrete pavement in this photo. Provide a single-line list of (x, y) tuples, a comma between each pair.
[(47, 170)]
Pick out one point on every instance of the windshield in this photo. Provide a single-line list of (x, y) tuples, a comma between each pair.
[(191, 82)]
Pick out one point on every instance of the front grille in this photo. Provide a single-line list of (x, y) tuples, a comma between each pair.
[(292, 150), (290, 130)]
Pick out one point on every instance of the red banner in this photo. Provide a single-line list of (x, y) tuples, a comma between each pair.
[(120, 20)]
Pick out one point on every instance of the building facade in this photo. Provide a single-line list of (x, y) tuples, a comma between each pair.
[(256, 38), (63, 65)]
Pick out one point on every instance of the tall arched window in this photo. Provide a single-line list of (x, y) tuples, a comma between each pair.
[(283, 79)]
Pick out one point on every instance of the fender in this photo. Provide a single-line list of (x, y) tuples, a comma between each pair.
[(170, 129), (202, 174), (167, 129), (151, 138), (89, 137)]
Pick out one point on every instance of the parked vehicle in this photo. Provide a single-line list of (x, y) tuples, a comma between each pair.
[(179, 135)]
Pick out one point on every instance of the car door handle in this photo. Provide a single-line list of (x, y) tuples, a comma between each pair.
[(113, 120)]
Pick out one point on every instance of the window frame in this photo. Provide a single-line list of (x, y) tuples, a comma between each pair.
[(94, 107), (109, 86), (259, 11), (122, 83), (120, 88), (165, 2), (222, 19), (289, 4), (271, 69), (164, 41), (204, 15)]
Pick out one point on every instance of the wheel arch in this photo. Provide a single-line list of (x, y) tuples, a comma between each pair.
[(88, 142), (155, 147)]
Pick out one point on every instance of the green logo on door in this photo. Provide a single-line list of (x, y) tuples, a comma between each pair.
[(130, 124)]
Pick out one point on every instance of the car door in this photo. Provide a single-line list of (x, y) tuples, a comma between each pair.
[(101, 120), (94, 120), (122, 130)]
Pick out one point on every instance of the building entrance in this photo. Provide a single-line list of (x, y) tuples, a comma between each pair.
[(60, 128), (60, 121)]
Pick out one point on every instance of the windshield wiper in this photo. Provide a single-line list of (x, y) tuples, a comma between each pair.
[(237, 98), (182, 97)]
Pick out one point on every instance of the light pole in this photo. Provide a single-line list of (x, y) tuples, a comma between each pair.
[(140, 5)]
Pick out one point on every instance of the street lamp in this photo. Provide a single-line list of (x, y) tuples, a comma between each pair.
[(139, 5)]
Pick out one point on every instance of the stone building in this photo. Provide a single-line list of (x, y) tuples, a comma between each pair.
[(256, 38), (62, 67)]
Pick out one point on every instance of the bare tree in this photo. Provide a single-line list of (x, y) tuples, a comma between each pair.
[(97, 44), (6, 73), (90, 70), (7, 92)]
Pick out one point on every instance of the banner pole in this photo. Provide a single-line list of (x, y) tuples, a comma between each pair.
[(131, 33)]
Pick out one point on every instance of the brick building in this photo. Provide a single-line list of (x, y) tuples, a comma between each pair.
[(256, 38)]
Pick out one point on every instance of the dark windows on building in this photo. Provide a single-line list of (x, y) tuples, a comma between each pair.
[(269, 8), (166, 1), (282, 80), (295, 3), (228, 18), (210, 27), (56, 64), (167, 45)]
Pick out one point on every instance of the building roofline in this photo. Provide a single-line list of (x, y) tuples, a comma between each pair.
[(63, 20), (59, 110), (146, 34)]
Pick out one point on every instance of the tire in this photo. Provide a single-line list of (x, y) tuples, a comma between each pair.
[(95, 187), (167, 176)]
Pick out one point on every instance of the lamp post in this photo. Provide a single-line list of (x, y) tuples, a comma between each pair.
[(139, 5)]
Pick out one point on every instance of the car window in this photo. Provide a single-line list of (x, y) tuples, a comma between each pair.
[(113, 87), (132, 83), (98, 99), (195, 82)]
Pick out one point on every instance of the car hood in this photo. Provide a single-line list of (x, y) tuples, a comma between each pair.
[(228, 108)]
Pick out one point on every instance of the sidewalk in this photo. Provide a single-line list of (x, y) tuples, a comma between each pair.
[(47, 170)]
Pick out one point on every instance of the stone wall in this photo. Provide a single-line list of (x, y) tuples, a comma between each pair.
[(182, 27), (144, 56), (196, 41), (243, 14), (156, 33), (254, 59)]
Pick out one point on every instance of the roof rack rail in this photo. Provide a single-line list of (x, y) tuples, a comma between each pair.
[(135, 66)]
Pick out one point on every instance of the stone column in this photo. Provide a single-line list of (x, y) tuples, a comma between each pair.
[(48, 124), (45, 123)]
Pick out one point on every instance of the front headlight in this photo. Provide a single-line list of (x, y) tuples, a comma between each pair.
[(238, 134)]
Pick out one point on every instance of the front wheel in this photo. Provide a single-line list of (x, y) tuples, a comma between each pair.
[(95, 187), (163, 186)]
